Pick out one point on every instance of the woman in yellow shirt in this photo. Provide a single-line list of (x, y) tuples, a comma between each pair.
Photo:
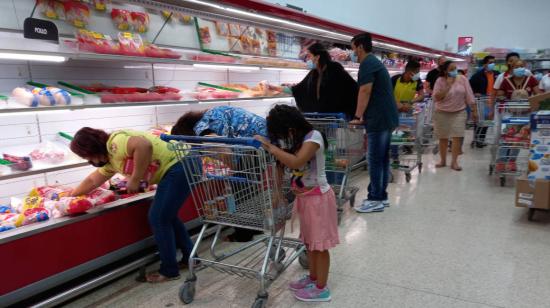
[(142, 157)]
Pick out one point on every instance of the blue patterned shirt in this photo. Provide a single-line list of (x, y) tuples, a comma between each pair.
[(230, 121)]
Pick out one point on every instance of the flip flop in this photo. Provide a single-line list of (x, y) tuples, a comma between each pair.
[(440, 165), (157, 277), (457, 168)]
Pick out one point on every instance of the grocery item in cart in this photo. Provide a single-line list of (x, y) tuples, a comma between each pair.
[(49, 153), (121, 19), (51, 9), (140, 21), (77, 13), (539, 155)]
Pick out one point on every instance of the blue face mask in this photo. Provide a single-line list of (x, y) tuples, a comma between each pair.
[(416, 76), (310, 65), (491, 67), (354, 57), (453, 73), (539, 76), (519, 71)]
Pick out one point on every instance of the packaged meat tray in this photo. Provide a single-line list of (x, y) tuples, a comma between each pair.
[(212, 58), (139, 97)]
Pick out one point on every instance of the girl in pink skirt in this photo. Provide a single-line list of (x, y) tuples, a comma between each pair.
[(315, 200)]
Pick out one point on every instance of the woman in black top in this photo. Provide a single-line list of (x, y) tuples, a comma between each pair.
[(327, 87)]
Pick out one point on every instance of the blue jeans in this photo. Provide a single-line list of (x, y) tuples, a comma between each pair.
[(378, 155), (168, 230)]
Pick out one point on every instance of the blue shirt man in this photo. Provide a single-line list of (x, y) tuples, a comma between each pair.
[(376, 108)]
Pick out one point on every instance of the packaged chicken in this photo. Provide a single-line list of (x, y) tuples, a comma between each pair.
[(30, 216), (77, 13), (204, 33), (51, 9), (121, 19), (51, 192), (131, 44), (100, 5), (140, 21), (73, 205), (100, 196)]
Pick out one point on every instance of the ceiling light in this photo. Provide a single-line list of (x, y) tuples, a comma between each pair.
[(31, 57)]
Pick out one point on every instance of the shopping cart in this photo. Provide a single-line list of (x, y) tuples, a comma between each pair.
[(483, 123), (510, 151), (408, 140), (345, 153), (235, 183)]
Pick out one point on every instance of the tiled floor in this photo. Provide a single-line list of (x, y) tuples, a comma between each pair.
[(449, 239)]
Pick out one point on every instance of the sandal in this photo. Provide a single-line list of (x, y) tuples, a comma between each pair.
[(440, 165), (157, 277), (457, 168)]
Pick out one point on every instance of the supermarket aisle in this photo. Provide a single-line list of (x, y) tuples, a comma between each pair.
[(448, 240)]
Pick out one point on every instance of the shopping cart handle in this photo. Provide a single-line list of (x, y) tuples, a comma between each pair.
[(234, 141), (337, 115)]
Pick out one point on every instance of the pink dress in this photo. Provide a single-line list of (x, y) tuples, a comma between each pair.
[(315, 201)]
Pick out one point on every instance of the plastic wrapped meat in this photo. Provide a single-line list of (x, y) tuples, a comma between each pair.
[(48, 152), (140, 21), (30, 216), (72, 205), (51, 192), (100, 196), (18, 163), (121, 19), (77, 13), (139, 97)]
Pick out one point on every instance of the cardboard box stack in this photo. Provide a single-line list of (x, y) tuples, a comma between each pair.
[(533, 191)]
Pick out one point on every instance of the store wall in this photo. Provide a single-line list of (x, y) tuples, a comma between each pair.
[(419, 21), (499, 23), (423, 21)]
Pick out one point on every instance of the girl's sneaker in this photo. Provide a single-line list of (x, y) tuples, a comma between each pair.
[(313, 294), (301, 283)]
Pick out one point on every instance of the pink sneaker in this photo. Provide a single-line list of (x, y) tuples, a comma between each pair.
[(301, 283), (313, 294)]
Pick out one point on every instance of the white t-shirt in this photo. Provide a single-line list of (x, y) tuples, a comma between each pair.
[(313, 173), (544, 83), (501, 77)]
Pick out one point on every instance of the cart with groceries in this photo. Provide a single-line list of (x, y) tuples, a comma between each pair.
[(235, 183)]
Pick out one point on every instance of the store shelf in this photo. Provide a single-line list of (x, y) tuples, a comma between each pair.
[(24, 231), (12, 108)]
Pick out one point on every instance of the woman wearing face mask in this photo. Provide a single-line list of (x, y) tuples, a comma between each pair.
[(519, 85), (142, 157), (452, 93), (327, 87)]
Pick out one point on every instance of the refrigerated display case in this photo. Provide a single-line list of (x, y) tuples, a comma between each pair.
[(47, 254)]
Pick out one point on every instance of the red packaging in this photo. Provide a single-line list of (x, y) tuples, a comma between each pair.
[(51, 192), (77, 13), (100, 196), (72, 206), (131, 44), (127, 90), (100, 5), (140, 21), (51, 9), (121, 19), (30, 216), (163, 90)]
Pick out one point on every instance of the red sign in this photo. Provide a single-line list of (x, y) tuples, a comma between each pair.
[(465, 45)]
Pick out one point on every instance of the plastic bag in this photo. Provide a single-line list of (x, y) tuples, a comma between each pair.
[(51, 192), (100, 5), (131, 44), (121, 19), (49, 152), (101, 196), (77, 13), (31, 215), (140, 21), (51, 9), (72, 205)]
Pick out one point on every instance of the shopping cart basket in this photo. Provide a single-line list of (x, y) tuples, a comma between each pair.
[(345, 153), (510, 152), (408, 141), (483, 123), (235, 183)]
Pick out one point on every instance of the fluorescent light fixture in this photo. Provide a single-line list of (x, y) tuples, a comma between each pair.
[(31, 57), (284, 69), (206, 3), (351, 69), (227, 67)]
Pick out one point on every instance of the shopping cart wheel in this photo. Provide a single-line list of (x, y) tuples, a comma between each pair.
[(407, 177), (282, 254), (260, 302), (491, 169), (352, 201), (187, 292), (502, 181), (419, 167), (304, 262), (530, 214)]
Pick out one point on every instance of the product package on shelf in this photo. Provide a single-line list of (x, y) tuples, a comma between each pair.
[(77, 13), (46, 96), (203, 57), (140, 21), (203, 92), (539, 154), (17, 163), (49, 152), (262, 89), (110, 94), (51, 9)]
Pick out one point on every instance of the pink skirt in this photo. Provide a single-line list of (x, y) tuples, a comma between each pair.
[(318, 220)]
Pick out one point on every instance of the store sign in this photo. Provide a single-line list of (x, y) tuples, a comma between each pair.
[(40, 29), (465, 45)]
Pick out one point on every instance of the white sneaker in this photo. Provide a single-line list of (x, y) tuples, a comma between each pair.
[(370, 206), (386, 203)]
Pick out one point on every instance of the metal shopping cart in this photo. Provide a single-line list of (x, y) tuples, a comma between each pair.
[(483, 123), (345, 153), (408, 141), (235, 183), (510, 151)]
